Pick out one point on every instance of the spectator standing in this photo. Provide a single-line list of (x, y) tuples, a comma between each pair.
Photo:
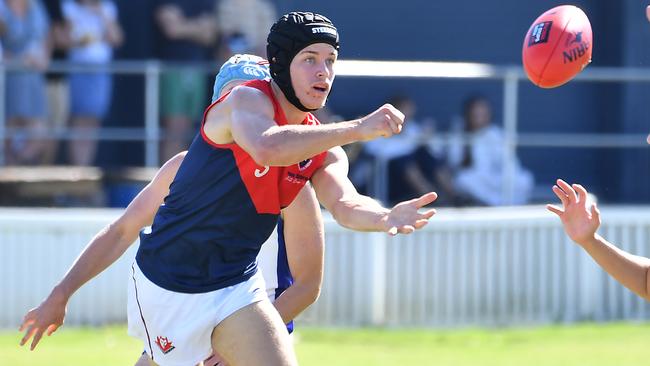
[(244, 25), (57, 90), (23, 35), (188, 33), (94, 32)]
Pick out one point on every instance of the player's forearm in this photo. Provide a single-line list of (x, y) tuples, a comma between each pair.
[(630, 270), (291, 144), (296, 299), (360, 213), (102, 251)]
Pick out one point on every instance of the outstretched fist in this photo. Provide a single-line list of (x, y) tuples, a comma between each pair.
[(384, 122)]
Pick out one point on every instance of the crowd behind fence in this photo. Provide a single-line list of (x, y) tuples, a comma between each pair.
[(150, 132)]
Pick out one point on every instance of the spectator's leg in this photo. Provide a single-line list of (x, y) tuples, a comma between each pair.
[(82, 151)]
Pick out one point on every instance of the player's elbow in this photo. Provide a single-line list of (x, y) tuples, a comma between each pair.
[(266, 152), (312, 291)]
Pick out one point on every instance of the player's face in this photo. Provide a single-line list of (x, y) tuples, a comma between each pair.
[(312, 74)]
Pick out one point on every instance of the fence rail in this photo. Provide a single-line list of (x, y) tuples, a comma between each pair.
[(469, 267)]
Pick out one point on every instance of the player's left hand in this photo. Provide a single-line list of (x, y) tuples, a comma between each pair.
[(579, 218), (404, 218)]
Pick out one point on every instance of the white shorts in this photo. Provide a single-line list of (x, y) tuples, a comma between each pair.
[(175, 327)]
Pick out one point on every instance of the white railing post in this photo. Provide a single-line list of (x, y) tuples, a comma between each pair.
[(3, 121), (151, 113), (510, 98)]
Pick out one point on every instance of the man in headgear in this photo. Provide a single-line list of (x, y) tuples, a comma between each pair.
[(195, 284)]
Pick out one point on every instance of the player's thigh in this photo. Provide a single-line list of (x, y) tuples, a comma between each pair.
[(254, 335)]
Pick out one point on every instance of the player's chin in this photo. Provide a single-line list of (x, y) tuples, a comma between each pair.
[(314, 102)]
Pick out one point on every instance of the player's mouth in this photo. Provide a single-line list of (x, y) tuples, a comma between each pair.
[(320, 88)]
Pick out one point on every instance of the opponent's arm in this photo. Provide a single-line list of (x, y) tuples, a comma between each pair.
[(102, 251), (581, 224), (355, 211), (252, 127), (304, 241)]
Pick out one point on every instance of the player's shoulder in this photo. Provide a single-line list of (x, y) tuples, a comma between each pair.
[(249, 97)]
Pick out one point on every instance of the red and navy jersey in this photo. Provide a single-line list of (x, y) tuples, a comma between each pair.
[(221, 208)]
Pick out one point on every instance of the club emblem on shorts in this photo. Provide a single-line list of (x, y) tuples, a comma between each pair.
[(164, 344), (304, 164)]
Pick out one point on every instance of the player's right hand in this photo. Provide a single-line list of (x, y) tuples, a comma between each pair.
[(46, 318), (384, 122)]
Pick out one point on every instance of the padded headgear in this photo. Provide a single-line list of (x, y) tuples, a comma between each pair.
[(242, 67), (288, 36)]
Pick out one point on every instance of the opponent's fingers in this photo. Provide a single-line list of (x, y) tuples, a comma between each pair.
[(595, 212), (392, 231), (28, 334), (27, 321), (561, 195), (582, 193), (52, 328), (571, 194), (556, 210), (37, 338)]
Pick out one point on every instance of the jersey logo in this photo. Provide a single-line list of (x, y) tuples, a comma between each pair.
[(304, 164), (260, 174), (164, 344)]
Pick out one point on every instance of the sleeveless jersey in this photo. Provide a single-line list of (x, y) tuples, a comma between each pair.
[(221, 208)]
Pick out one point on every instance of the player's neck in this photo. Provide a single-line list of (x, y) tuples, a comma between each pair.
[(294, 115)]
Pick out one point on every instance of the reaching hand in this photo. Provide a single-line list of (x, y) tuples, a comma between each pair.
[(384, 122), (47, 317), (580, 222), (404, 218)]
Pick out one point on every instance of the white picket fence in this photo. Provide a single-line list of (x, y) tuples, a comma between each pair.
[(469, 267)]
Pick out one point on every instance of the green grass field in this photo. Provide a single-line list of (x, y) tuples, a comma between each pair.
[(588, 344)]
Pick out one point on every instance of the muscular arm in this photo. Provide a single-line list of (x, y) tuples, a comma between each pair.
[(246, 117), (581, 223), (358, 212), (304, 241), (102, 251)]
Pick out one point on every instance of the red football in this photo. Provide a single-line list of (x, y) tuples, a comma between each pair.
[(557, 46)]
